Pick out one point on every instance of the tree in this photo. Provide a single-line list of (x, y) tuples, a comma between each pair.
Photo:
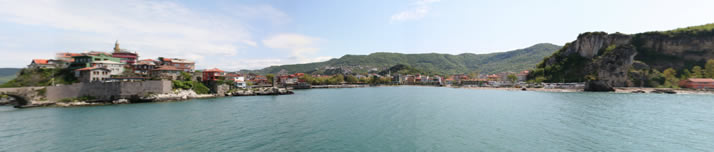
[(338, 79), (473, 75), (513, 78), (709, 71), (270, 78), (685, 74), (671, 80), (351, 79), (697, 72), (186, 76)]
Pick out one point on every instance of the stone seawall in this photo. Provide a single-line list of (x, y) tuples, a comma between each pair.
[(110, 90)]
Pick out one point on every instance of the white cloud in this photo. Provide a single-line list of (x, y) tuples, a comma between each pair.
[(300, 46), (153, 28), (420, 9)]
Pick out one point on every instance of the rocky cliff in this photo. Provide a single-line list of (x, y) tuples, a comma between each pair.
[(605, 60)]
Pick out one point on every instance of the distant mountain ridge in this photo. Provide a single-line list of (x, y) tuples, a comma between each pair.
[(7, 74), (429, 63)]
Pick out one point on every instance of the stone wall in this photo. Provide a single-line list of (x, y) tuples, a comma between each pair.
[(109, 90)]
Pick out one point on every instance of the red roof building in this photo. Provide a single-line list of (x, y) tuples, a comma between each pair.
[(697, 83), (212, 74)]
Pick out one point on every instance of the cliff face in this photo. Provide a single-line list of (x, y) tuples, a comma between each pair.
[(588, 45), (664, 51), (604, 60), (611, 69)]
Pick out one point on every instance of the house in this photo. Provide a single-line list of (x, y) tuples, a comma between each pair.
[(522, 77), (436, 79), (288, 79), (182, 64), (144, 67), (115, 67), (212, 74), (493, 77), (66, 57), (258, 80), (166, 72), (697, 83), (92, 74), (124, 56), (47, 64), (85, 60), (238, 80), (40, 64), (449, 81)]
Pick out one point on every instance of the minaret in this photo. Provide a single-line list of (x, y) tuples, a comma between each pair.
[(116, 47)]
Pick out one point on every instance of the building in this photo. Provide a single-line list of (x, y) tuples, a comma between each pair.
[(166, 72), (697, 83), (67, 57), (85, 60), (144, 67), (212, 74), (288, 79), (182, 64), (126, 57), (115, 67), (92, 74), (238, 80), (523, 76), (40, 64), (258, 80)]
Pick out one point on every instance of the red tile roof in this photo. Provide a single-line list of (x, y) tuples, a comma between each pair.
[(214, 70), (40, 61), (91, 68), (700, 80), (167, 68)]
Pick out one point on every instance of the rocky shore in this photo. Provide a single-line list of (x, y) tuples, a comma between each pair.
[(617, 90), (176, 95)]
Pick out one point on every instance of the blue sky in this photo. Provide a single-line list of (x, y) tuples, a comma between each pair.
[(254, 34)]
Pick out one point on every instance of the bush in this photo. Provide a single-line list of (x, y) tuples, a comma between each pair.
[(191, 85)]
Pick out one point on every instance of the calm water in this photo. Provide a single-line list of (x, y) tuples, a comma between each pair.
[(375, 119)]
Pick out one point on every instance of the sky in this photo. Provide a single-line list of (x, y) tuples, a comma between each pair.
[(253, 34)]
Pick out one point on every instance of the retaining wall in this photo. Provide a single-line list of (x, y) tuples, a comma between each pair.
[(109, 90)]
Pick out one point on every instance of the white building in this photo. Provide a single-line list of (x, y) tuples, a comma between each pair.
[(116, 68)]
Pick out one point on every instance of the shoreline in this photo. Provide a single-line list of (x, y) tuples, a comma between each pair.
[(184, 95)]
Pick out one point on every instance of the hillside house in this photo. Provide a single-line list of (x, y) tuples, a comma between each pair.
[(212, 74), (166, 72), (92, 74), (115, 67)]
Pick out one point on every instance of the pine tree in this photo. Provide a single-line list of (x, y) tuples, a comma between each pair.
[(697, 72), (709, 69)]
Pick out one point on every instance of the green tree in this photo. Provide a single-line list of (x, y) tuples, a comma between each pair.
[(513, 78), (270, 78), (697, 72), (473, 75), (709, 71), (351, 79), (338, 79), (685, 74), (185, 76), (671, 80)]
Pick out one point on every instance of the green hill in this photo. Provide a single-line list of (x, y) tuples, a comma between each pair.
[(516, 60), (7, 74)]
